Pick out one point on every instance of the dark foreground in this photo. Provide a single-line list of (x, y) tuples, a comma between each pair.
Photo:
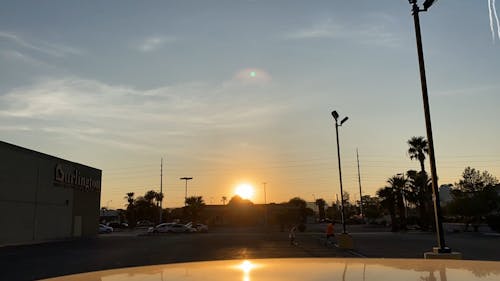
[(128, 249)]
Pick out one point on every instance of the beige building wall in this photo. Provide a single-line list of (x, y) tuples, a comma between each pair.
[(35, 207)]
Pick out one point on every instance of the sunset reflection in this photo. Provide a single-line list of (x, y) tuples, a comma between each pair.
[(246, 266)]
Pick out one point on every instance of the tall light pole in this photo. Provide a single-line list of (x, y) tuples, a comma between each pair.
[(186, 188), (337, 125), (265, 203), (360, 193), (441, 248), (265, 199), (161, 190)]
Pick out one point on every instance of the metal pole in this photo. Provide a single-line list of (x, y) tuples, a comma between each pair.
[(265, 199), (437, 206), (161, 190), (360, 194), (340, 178), (186, 188)]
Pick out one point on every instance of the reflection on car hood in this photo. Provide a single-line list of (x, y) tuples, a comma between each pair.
[(327, 269)]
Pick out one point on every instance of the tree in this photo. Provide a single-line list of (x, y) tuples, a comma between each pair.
[(301, 205), (130, 199), (158, 198), (130, 212), (321, 203), (473, 180), (224, 199), (236, 200), (398, 185), (388, 201), (419, 193), (418, 149), (194, 205), (474, 197), (371, 207)]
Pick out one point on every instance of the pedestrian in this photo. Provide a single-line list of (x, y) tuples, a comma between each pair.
[(291, 235), (330, 232)]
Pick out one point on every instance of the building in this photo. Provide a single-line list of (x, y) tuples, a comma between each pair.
[(45, 198)]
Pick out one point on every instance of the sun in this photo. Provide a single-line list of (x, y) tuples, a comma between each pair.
[(245, 191)]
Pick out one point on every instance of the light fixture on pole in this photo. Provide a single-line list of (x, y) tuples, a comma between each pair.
[(186, 188), (441, 248), (337, 125)]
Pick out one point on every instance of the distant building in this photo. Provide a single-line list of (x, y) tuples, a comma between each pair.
[(43, 197), (445, 196)]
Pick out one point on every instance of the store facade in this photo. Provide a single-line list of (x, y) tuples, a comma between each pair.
[(44, 198)]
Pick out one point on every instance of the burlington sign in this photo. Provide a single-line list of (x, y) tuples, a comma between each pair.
[(71, 177)]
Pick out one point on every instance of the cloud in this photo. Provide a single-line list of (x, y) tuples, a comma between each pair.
[(325, 30), (154, 43), (121, 116), (471, 91), (52, 49), (375, 33), (18, 56)]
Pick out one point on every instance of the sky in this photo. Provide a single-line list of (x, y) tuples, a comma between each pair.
[(232, 92)]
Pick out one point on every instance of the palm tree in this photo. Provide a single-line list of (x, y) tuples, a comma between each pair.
[(388, 201), (420, 187), (418, 149), (150, 196), (130, 199), (194, 204), (320, 202), (224, 199), (398, 185), (158, 198), (130, 212)]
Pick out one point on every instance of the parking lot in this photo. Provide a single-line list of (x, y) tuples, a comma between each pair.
[(135, 248), (123, 249)]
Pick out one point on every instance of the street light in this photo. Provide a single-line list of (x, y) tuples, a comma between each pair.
[(337, 125), (437, 207), (186, 188)]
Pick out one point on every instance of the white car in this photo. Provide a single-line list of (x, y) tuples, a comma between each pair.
[(171, 227), (105, 229), (198, 226)]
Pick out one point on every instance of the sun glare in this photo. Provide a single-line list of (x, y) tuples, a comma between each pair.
[(245, 191)]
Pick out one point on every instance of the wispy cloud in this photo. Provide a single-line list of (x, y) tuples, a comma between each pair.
[(371, 34), (471, 91), (126, 117), (154, 43), (52, 49), (327, 29)]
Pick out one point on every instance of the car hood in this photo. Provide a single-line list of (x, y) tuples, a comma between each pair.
[(327, 269)]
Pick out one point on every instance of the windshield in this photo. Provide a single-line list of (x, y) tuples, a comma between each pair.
[(247, 129)]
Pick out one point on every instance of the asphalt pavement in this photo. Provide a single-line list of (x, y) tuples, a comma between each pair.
[(125, 249)]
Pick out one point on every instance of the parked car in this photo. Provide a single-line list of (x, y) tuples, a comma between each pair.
[(144, 223), (117, 225), (198, 226), (171, 227), (105, 229)]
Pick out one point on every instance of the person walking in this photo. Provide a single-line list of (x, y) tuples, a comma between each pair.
[(330, 232), (291, 235)]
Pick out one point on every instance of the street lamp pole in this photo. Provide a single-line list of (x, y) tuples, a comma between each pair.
[(437, 207), (186, 188), (337, 125)]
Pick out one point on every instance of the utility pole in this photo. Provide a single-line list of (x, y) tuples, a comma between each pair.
[(360, 194), (265, 204), (161, 190)]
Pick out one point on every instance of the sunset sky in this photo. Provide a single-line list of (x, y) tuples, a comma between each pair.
[(232, 92)]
